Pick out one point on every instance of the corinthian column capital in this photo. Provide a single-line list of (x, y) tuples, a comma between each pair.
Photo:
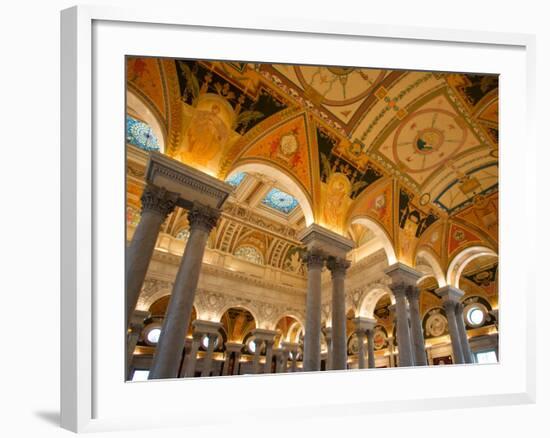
[(158, 200), (337, 266), (314, 259), (202, 217)]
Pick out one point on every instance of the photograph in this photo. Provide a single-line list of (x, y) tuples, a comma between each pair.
[(285, 218)]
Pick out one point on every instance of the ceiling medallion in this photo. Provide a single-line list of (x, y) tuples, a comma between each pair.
[(428, 140), (288, 144)]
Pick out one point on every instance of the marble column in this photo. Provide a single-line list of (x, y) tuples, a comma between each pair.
[(365, 326), (291, 351), (403, 277), (370, 346), (466, 350), (169, 349), (191, 362), (312, 337), (320, 242), (268, 355), (258, 343), (231, 348), (156, 204), (278, 355), (403, 330), (360, 333), (186, 350), (338, 267), (207, 362), (237, 363), (450, 297), (136, 326), (417, 335), (328, 337)]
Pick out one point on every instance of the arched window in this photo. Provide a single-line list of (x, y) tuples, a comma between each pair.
[(250, 254), (140, 134)]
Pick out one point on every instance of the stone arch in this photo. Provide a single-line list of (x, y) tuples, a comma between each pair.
[(371, 298), (237, 306), (141, 109), (461, 260), (383, 237), (437, 271), (297, 325), (286, 180), (245, 330)]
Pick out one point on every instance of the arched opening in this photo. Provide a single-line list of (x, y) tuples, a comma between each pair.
[(373, 299), (462, 259), (379, 240), (427, 263), (280, 181), (237, 323), (290, 330)]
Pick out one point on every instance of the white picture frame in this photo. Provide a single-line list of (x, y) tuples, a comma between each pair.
[(94, 396)]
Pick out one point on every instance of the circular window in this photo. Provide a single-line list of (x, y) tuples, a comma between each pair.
[(153, 335), (475, 316)]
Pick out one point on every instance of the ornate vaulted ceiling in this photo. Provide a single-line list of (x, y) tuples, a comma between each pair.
[(416, 153)]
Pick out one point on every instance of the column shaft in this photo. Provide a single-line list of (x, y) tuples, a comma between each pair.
[(312, 337), (370, 346), (338, 269), (294, 362), (207, 362), (466, 350), (257, 351), (192, 358), (417, 335), (328, 338), (268, 356), (172, 338), (403, 331), (226, 363), (361, 353), (449, 307), (157, 204), (236, 363)]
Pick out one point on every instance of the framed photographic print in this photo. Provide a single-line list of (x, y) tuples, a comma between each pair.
[(262, 208)]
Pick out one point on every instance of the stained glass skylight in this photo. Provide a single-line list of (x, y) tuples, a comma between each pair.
[(236, 179), (280, 201), (141, 135)]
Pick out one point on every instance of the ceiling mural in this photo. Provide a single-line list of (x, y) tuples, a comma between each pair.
[(144, 76), (414, 151)]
